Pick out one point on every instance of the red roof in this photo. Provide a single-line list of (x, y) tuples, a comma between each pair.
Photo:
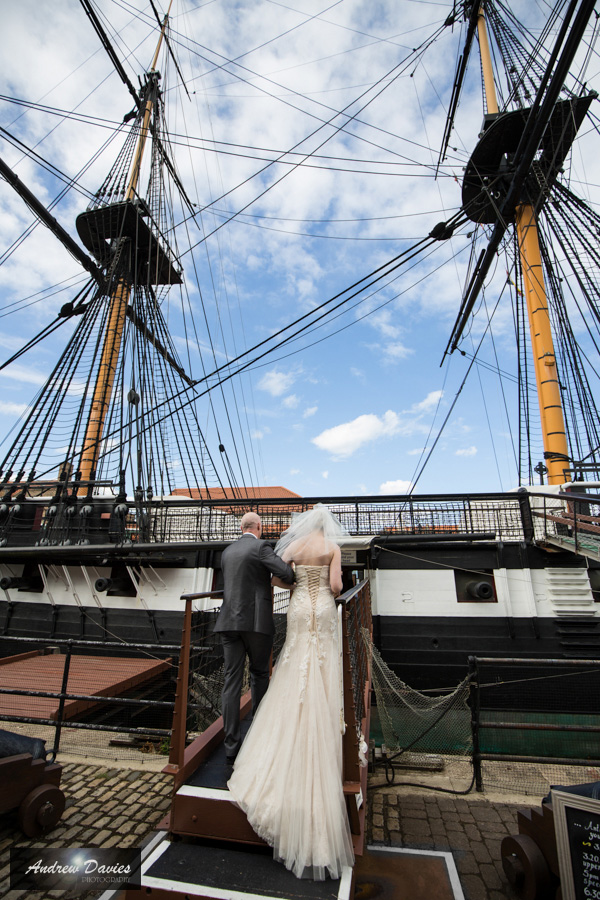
[(241, 493)]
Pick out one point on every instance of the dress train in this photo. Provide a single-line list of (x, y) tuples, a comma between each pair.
[(288, 774)]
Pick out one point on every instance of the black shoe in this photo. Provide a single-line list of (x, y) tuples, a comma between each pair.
[(230, 759)]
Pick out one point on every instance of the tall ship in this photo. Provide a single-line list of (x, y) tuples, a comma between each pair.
[(126, 475)]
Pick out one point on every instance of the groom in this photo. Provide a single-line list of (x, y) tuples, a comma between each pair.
[(245, 621)]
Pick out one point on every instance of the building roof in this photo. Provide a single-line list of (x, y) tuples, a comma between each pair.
[(241, 493)]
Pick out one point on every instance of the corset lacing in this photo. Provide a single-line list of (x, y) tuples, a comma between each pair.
[(313, 578)]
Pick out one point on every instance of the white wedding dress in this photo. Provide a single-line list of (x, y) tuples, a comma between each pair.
[(288, 774)]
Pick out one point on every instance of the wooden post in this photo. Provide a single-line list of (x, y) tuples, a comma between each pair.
[(179, 727), (542, 345)]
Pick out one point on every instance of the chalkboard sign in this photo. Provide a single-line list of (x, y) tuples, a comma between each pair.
[(577, 827)]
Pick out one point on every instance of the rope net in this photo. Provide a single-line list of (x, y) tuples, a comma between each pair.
[(413, 721)]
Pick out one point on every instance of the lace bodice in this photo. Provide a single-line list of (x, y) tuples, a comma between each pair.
[(311, 618)]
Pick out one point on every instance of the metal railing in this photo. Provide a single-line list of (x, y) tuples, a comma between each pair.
[(534, 711), (95, 718), (78, 524)]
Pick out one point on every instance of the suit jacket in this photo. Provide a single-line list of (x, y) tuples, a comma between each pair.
[(247, 565)]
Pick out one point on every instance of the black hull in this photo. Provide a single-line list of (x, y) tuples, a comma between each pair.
[(67, 622), (428, 653)]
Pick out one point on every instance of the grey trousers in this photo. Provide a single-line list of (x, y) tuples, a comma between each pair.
[(236, 645)]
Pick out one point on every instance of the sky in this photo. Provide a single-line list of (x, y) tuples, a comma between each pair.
[(307, 137)]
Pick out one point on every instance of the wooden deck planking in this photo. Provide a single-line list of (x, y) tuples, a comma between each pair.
[(106, 676)]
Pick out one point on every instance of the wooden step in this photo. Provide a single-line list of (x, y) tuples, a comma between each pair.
[(206, 812), (204, 808)]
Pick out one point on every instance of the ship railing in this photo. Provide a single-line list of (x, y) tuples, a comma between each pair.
[(81, 521), (496, 516)]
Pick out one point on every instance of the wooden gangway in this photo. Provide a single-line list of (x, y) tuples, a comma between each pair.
[(568, 520), (209, 849)]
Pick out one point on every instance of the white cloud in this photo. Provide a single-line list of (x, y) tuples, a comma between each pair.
[(417, 451), (467, 451), (430, 402), (325, 474), (399, 486), (12, 409), (24, 373), (382, 321), (11, 343), (290, 402), (345, 439), (309, 411), (276, 383), (394, 351), (294, 471)]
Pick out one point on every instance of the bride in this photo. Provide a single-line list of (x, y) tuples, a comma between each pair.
[(288, 773)]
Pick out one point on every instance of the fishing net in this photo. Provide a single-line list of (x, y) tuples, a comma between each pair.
[(411, 721)]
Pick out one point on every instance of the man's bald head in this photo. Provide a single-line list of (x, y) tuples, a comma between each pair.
[(251, 522)]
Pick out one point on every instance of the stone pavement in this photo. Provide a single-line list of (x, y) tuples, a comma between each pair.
[(471, 827), (106, 807), (118, 807)]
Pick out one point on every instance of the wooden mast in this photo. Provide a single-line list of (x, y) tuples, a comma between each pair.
[(119, 300), (546, 372)]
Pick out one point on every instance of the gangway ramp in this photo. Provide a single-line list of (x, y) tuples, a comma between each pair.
[(209, 849), (568, 520)]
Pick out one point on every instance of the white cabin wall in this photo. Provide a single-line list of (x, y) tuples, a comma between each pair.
[(158, 589), (413, 592), (521, 593)]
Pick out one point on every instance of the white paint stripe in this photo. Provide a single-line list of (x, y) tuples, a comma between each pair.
[(148, 848), (201, 890), (152, 843), (156, 854), (449, 859), (345, 884), (188, 790)]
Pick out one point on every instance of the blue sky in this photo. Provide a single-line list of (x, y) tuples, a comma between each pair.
[(353, 407)]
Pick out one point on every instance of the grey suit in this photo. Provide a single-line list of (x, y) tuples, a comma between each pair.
[(246, 625)]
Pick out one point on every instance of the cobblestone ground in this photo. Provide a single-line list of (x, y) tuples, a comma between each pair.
[(110, 807), (472, 829), (105, 807)]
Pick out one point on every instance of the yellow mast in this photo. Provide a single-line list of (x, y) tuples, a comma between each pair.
[(117, 311), (546, 372)]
